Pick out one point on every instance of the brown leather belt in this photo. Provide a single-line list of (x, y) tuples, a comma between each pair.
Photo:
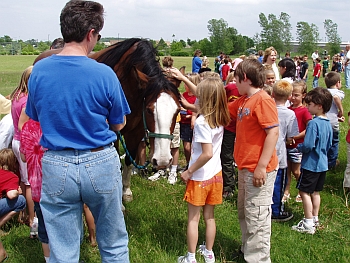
[(97, 149), (91, 150)]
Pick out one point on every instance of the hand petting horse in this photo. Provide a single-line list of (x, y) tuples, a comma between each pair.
[(152, 97)]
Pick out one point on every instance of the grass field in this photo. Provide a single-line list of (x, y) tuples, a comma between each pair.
[(157, 218)]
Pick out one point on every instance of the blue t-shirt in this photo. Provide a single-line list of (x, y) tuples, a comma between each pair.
[(317, 141), (73, 97)]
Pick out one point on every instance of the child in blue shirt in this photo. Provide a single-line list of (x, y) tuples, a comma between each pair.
[(314, 163)]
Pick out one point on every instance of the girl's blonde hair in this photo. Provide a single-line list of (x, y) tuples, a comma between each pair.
[(230, 77), (23, 84), (8, 160), (194, 78), (209, 74), (213, 102)]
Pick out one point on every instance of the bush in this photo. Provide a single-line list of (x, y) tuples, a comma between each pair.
[(24, 53), (36, 52), (179, 54), (160, 53)]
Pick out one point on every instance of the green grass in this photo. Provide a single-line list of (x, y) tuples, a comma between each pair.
[(156, 220)]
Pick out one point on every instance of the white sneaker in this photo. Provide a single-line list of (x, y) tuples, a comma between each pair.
[(156, 175), (184, 259), (172, 179), (304, 228), (34, 227), (208, 258), (134, 171)]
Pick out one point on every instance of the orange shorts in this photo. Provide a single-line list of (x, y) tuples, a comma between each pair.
[(208, 192)]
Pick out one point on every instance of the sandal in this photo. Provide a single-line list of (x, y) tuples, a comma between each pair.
[(5, 258), (285, 198)]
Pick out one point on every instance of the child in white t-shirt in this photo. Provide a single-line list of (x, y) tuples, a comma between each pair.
[(203, 177)]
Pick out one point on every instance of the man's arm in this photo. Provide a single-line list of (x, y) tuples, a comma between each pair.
[(118, 127)]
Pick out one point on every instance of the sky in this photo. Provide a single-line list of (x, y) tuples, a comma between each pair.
[(170, 20)]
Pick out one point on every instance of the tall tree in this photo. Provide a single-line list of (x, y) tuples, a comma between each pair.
[(307, 36), (334, 39), (218, 35), (275, 31)]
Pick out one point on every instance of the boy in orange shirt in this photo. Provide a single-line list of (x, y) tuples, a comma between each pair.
[(255, 155)]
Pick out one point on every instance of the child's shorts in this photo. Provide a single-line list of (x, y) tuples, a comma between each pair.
[(209, 192), (294, 155), (42, 234), (186, 132), (175, 142), (310, 182)]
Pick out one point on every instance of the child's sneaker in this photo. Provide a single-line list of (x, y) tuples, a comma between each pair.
[(156, 175), (298, 199), (34, 228), (304, 228), (172, 179), (208, 257), (184, 259)]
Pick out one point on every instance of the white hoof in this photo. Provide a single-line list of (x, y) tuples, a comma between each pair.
[(127, 195)]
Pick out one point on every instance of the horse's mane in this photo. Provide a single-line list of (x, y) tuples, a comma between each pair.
[(144, 58)]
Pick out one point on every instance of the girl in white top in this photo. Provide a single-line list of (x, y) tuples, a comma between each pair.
[(203, 177)]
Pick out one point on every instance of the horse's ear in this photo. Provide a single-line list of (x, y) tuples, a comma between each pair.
[(143, 78), (182, 70)]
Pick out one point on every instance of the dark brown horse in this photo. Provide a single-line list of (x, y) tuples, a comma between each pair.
[(152, 97)]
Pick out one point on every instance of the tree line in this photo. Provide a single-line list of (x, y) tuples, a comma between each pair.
[(275, 31)]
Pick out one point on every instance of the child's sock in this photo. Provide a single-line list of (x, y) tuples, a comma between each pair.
[(47, 259), (309, 222), (315, 219), (173, 168), (191, 256)]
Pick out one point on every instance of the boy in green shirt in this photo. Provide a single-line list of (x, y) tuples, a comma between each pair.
[(325, 66)]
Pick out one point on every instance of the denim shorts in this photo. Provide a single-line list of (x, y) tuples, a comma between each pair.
[(42, 234), (294, 155), (186, 133)]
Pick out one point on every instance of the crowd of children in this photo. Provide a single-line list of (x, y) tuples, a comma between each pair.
[(295, 133)]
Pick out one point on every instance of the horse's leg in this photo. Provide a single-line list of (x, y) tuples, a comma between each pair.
[(127, 194)]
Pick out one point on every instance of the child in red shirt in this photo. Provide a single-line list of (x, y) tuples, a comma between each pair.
[(12, 202), (317, 73)]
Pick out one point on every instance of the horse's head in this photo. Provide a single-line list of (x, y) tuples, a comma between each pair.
[(160, 117), (136, 64)]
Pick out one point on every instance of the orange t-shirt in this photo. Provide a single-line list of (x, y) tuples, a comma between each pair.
[(253, 115)]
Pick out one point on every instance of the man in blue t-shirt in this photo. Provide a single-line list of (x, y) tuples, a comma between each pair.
[(79, 104)]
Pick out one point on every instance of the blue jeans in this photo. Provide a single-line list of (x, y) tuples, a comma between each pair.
[(332, 153), (72, 178), (278, 191), (8, 205), (315, 82), (347, 76)]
